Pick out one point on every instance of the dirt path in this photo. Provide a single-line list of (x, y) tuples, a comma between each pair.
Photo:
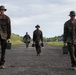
[(23, 61)]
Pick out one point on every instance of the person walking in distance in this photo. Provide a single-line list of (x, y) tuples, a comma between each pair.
[(70, 37), (37, 37), (27, 39), (5, 33)]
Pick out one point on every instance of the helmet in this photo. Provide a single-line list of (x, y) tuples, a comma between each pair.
[(72, 13), (2, 8)]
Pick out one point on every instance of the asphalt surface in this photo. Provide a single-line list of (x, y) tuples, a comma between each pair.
[(24, 61)]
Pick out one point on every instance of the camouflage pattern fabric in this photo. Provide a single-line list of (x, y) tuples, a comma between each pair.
[(5, 28), (70, 32), (37, 35)]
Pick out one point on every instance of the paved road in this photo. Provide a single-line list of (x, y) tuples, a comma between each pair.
[(23, 61)]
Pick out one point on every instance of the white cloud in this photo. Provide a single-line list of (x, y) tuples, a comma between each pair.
[(20, 21)]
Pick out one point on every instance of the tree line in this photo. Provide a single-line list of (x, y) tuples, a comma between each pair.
[(54, 39)]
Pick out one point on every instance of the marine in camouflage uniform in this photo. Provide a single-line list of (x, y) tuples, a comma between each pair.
[(37, 37), (5, 33), (26, 39), (70, 37)]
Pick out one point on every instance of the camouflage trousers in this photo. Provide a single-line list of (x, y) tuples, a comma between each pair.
[(38, 47), (3, 47), (72, 52), (27, 45)]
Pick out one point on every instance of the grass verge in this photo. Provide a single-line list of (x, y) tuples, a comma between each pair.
[(55, 43)]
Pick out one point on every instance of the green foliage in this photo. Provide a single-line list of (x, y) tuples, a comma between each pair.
[(45, 39), (16, 39), (55, 43), (54, 39)]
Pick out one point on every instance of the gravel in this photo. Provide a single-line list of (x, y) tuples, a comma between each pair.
[(24, 61)]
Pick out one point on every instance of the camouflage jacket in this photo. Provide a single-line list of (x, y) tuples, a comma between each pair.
[(5, 27), (70, 32), (37, 35), (26, 38)]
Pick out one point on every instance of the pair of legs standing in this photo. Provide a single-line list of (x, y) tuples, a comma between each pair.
[(3, 48), (38, 48), (72, 52)]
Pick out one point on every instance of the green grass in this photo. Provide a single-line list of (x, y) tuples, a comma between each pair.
[(55, 43), (15, 39)]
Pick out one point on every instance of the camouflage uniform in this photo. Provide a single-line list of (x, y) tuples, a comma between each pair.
[(26, 39), (70, 39), (37, 37), (5, 33)]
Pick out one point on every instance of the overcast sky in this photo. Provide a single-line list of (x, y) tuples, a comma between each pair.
[(49, 14)]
